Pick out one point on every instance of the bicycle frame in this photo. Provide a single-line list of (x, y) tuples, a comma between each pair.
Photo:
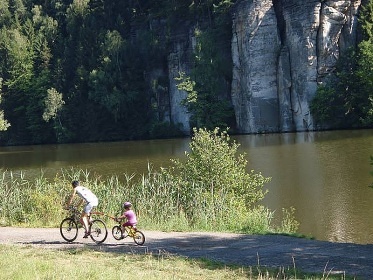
[(74, 214), (131, 230)]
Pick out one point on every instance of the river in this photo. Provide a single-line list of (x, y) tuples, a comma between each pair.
[(323, 175)]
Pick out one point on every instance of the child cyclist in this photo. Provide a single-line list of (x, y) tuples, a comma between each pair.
[(129, 215)]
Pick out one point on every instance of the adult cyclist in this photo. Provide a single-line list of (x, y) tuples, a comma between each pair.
[(90, 200)]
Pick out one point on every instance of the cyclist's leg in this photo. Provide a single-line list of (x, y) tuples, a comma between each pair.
[(126, 224), (89, 217), (125, 228), (84, 219)]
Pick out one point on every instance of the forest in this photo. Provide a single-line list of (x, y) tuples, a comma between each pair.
[(79, 70)]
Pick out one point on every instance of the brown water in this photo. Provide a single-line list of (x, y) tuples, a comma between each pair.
[(324, 175)]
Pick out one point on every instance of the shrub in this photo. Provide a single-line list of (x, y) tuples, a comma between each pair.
[(213, 182)]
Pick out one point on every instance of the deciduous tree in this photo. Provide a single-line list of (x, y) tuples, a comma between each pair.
[(4, 124)]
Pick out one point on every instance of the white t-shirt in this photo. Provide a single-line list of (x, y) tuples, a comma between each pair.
[(87, 195)]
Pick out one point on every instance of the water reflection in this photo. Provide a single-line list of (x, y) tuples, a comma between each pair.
[(103, 158), (324, 175)]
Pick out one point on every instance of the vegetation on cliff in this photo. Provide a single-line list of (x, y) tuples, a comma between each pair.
[(347, 99)]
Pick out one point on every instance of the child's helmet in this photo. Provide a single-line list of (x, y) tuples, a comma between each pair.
[(127, 204)]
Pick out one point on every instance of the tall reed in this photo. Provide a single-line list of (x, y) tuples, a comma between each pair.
[(157, 200)]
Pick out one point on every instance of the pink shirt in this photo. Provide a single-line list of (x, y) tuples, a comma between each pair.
[(131, 217)]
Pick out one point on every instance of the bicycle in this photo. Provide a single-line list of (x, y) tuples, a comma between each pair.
[(69, 227), (131, 231)]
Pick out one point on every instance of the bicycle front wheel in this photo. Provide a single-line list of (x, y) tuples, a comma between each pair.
[(98, 231), (117, 232), (69, 229), (138, 237)]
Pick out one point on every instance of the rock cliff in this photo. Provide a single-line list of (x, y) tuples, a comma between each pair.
[(281, 50)]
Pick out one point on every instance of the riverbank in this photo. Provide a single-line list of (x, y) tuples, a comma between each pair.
[(249, 250), (303, 167)]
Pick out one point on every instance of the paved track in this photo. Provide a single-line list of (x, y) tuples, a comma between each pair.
[(267, 250)]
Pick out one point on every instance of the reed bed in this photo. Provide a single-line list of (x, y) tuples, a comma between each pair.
[(159, 203)]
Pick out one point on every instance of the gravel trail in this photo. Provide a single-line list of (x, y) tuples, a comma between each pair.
[(267, 250)]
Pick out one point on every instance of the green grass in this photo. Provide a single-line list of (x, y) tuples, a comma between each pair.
[(26, 262)]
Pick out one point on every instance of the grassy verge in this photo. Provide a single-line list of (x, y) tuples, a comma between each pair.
[(19, 262)]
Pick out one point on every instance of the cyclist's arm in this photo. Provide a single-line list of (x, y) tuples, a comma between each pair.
[(121, 217), (71, 197), (80, 203)]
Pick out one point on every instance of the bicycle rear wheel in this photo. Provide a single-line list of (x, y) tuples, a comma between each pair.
[(69, 229), (138, 237), (98, 231)]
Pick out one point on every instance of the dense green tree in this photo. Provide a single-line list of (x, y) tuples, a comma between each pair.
[(365, 76), (4, 124), (365, 62), (18, 73), (208, 85), (366, 20), (336, 103), (53, 105), (6, 16), (106, 81), (26, 72)]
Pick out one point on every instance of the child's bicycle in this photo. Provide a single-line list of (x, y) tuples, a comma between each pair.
[(130, 231), (69, 227)]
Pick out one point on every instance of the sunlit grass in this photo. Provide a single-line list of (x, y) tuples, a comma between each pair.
[(26, 262)]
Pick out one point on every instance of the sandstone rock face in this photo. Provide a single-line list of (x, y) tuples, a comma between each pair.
[(281, 51), (177, 63)]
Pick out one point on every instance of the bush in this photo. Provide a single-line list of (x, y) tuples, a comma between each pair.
[(213, 186)]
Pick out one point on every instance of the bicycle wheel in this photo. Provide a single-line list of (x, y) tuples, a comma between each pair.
[(138, 237), (98, 231), (117, 232), (69, 229)]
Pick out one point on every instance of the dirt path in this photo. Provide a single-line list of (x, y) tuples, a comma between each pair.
[(270, 250)]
